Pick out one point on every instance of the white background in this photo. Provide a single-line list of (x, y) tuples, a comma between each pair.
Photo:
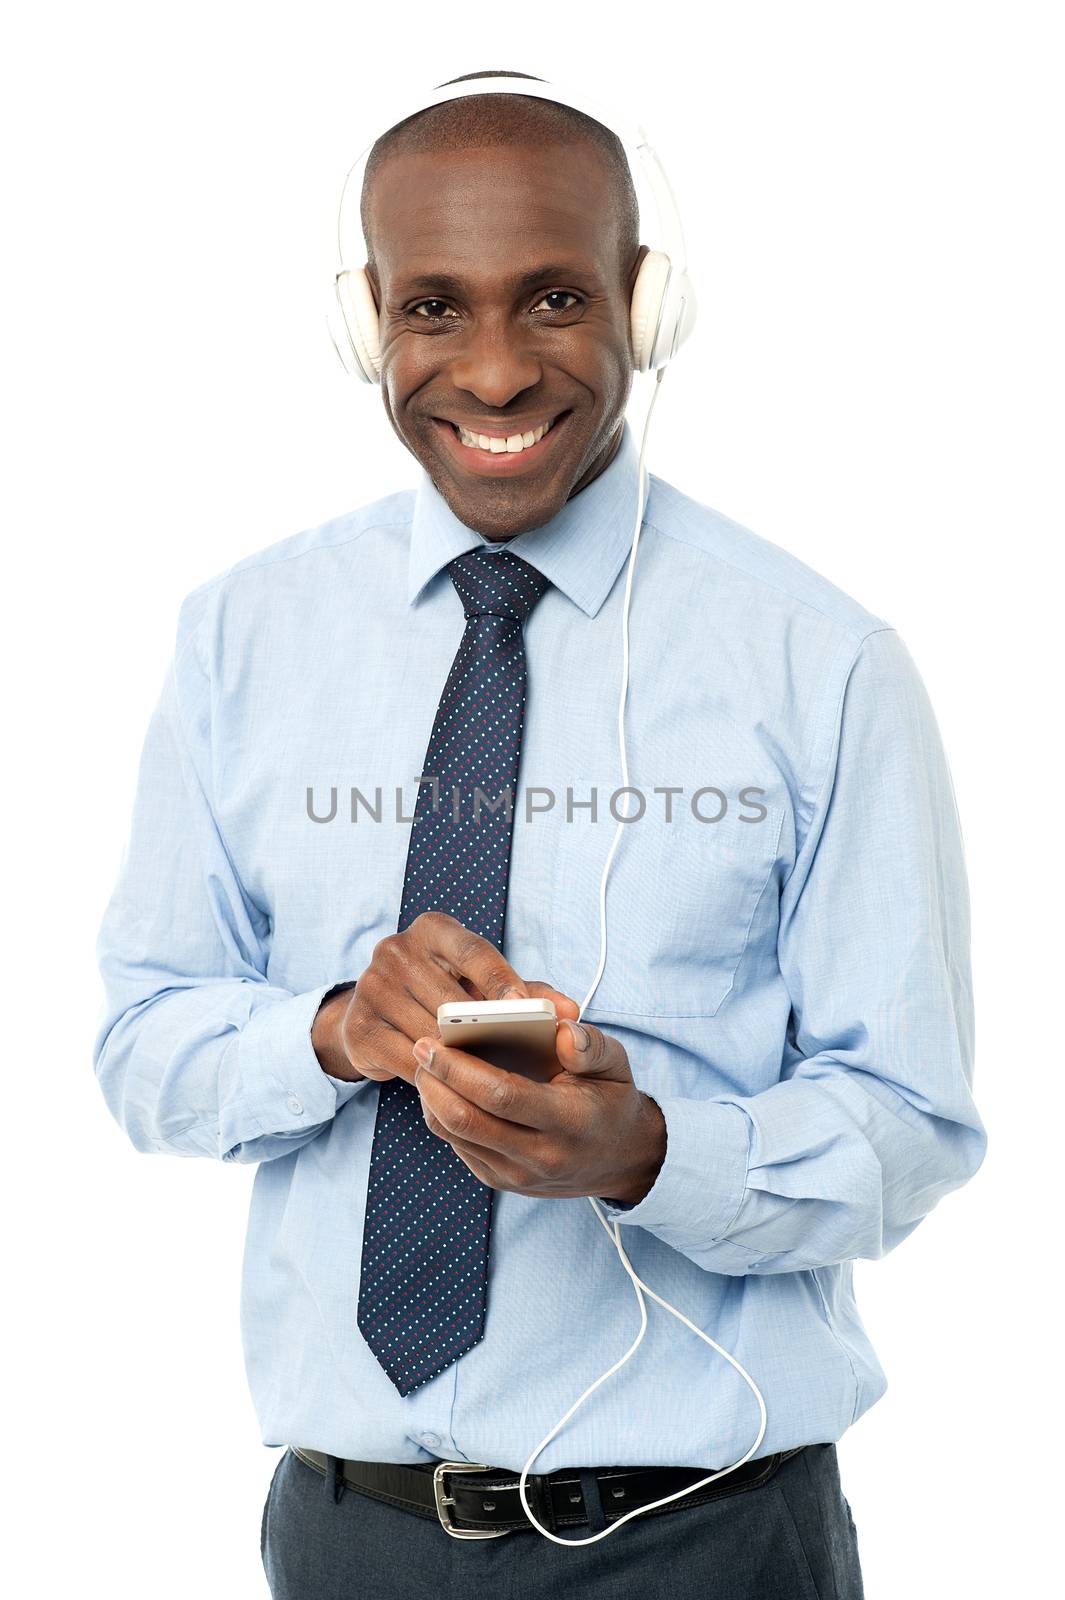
[(872, 198)]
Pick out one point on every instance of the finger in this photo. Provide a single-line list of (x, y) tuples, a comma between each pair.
[(410, 969), (488, 1165), (413, 1020), (466, 955), (602, 1056), (383, 1019), (421, 992), (503, 1096), (376, 1049), (465, 1119), (492, 1169), (473, 1156), (564, 1006), (400, 1016)]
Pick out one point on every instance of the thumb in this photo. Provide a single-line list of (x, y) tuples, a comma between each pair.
[(588, 1052)]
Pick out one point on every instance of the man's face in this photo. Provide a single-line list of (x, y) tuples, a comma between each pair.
[(503, 306)]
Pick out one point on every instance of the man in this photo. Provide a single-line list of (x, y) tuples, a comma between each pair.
[(777, 1080)]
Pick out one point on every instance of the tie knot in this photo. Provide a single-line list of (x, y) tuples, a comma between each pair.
[(496, 583)]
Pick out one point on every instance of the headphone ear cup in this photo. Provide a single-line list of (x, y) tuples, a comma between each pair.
[(360, 325), (645, 308)]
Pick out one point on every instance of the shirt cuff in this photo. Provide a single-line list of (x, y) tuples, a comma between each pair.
[(286, 1089), (700, 1185)]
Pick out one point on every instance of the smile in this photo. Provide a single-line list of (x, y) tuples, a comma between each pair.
[(495, 453)]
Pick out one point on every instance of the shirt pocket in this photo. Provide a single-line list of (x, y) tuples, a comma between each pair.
[(681, 898)]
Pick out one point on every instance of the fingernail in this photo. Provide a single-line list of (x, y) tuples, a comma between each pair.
[(580, 1035), (423, 1052)]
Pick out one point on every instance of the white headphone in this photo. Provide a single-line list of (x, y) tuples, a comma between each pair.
[(662, 309)]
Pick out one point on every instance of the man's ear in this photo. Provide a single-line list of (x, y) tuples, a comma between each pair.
[(371, 276)]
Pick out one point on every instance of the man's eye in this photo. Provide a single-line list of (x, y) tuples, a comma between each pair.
[(438, 309), (431, 316), (558, 294)]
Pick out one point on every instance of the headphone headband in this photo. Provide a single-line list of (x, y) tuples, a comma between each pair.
[(634, 139)]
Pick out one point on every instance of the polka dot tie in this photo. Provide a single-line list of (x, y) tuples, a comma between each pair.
[(423, 1285)]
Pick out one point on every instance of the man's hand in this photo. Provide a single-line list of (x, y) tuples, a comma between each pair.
[(368, 1031), (588, 1131)]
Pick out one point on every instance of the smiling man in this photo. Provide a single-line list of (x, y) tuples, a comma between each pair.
[(773, 1075)]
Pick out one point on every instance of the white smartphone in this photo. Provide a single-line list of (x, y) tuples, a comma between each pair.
[(517, 1035)]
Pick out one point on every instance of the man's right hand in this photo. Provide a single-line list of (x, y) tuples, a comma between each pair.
[(369, 1031)]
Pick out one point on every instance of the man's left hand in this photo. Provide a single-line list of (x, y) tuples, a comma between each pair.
[(588, 1131)]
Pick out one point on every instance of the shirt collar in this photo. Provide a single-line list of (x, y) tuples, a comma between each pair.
[(581, 549)]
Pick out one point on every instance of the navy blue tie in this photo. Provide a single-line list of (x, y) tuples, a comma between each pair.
[(423, 1284)]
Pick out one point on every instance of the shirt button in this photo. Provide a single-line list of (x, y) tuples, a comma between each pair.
[(294, 1105), (430, 1439)]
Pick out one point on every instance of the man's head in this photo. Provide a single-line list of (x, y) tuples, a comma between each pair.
[(502, 236)]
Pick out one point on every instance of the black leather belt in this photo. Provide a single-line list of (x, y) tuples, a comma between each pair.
[(472, 1501)]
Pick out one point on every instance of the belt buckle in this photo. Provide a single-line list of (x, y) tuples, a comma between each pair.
[(443, 1499)]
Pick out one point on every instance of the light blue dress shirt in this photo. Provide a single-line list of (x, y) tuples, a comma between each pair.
[(787, 965)]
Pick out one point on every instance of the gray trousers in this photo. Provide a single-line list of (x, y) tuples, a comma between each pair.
[(790, 1538)]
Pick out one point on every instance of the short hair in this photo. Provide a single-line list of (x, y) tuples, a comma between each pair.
[(508, 119)]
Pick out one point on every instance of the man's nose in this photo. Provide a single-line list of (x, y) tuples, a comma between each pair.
[(495, 363)]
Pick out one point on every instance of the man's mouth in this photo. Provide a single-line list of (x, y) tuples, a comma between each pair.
[(497, 449), (512, 443)]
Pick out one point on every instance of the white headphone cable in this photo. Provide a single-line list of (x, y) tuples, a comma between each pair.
[(614, 1230)]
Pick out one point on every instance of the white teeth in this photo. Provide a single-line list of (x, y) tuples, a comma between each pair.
[(513, 445)]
